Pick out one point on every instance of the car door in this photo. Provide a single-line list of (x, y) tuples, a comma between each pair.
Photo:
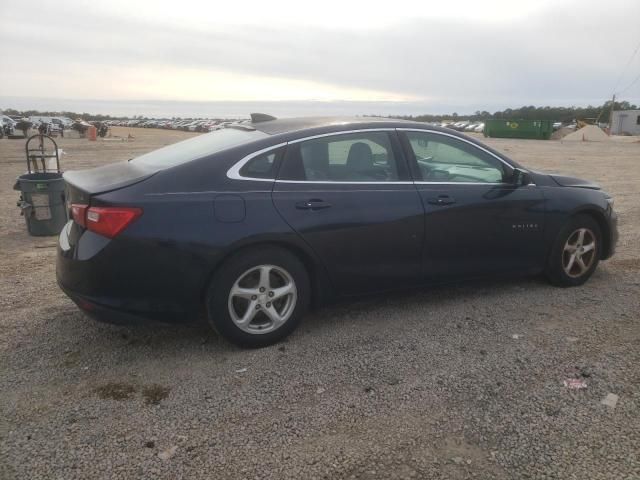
[(477, 221), (349, 196)]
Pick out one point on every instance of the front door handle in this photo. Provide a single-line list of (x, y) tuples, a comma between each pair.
[(442, 200), (313, 204)]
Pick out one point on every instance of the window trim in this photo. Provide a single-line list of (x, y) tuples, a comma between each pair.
[(234, 172), (342, 132), (396, 149)]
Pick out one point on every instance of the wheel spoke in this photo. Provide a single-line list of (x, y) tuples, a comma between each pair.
[(588, 247), (581, 233), (241, 292), (281, 292), (249, 314), (264, 277), (273, 314), (572, 260)]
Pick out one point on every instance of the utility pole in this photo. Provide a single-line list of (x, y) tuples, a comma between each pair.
[(613, 102)]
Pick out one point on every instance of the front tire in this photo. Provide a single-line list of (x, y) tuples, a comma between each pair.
[(258, 296), (576, 252)]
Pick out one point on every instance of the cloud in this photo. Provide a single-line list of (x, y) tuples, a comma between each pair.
[(572, 53)]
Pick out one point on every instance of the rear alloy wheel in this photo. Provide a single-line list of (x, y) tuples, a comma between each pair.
[(576, 252), (262, 299), (258, 296)]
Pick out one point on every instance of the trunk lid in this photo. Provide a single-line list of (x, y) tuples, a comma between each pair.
[(82, 185), (104, 179)]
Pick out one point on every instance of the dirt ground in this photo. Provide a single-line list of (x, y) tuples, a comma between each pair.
[(454, 382)]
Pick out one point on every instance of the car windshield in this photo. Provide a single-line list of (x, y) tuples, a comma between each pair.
[(197, 147)]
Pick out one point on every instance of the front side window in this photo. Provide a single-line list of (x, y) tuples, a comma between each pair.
[(445, 159), (354, 157)]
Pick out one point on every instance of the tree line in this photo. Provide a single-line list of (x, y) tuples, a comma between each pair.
[(557, 114)]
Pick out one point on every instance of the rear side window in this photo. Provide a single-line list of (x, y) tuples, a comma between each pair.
[(198, 147), (262, 166), (355, 157)]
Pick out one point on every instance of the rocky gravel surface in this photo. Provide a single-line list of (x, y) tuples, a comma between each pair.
[(455, 382)]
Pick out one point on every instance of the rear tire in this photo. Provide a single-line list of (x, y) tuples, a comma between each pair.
[(258, 297), (576, 252)]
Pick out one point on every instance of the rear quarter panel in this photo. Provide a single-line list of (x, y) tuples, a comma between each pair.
[(194, 217)]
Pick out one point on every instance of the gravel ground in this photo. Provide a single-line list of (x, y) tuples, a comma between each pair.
[(454, 382)]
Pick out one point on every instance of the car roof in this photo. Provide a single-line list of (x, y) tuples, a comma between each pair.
[(287, 129), (288, 125)]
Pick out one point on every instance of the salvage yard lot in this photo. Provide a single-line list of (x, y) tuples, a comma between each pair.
[(462, 381)]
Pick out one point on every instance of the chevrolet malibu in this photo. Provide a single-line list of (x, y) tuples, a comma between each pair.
[(250, 225)]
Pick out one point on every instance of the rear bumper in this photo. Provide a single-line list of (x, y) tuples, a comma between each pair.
[(119, 315), (120, 283), (103, 313)]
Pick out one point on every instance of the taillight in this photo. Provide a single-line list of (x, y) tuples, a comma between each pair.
[(79, 213), (107, 221), (110, 221)]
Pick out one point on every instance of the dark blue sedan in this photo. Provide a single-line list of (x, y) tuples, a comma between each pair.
[(250, 225)]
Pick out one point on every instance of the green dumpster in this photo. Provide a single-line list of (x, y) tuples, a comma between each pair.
[(42, 200), (534, 129)]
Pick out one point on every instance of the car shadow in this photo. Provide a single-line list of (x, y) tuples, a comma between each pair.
[(159, 337)]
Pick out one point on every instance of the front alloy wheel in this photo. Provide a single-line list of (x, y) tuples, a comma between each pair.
[(575, 253), (579, 252)]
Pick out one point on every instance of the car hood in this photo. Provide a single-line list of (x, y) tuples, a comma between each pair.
[(565, 181)]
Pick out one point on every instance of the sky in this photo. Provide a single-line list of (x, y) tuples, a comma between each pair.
[(436, 56)]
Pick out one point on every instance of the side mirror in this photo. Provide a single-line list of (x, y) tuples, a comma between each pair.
[(520, 177)]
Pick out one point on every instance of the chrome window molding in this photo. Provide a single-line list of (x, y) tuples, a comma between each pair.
[(234, 172), (333, 182), (345, 132), (420, 182)]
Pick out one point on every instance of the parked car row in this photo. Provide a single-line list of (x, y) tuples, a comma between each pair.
[(464, 126), (188, 125)]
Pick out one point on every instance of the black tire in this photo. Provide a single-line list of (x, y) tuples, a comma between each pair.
[(217, 299), (555, 270)]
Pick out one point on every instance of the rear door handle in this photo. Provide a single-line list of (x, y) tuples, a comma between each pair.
[(313, 204), (442, 200)]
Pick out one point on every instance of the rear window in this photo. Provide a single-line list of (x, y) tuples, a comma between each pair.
[(197, 147)]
